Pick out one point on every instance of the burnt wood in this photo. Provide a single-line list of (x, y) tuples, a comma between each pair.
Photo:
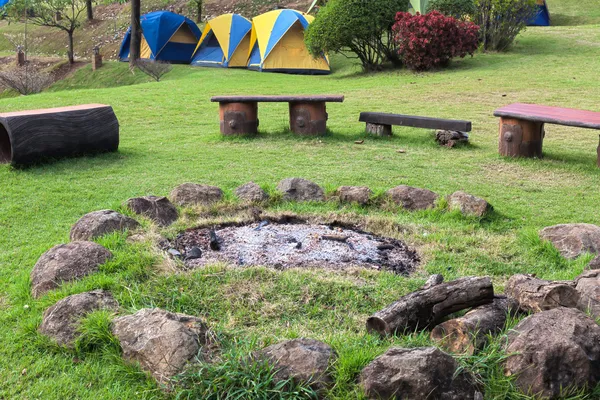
[(28, 137), (427, 307), (551, 115), (415, 121), (278, 99), (535, 295)]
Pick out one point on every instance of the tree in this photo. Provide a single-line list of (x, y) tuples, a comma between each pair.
[(59, 14), (362, 27), (136, 33), (197, 6), (90, 10)]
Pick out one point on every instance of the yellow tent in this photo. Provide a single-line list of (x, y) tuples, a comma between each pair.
[(225, 42)]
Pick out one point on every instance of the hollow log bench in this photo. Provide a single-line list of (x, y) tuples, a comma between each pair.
[(28, 137), (522, 126), (308, 114), (380, 124)]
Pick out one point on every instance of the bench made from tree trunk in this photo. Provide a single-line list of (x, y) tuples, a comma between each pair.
[(522, 126), (381, 123), (28, 137), (308, 114)]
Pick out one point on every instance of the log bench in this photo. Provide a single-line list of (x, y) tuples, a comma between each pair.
[(381, 123), (522, 126), (28, 137), (308, 114)]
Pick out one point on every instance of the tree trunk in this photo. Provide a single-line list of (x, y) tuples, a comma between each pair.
[(71, 48), (427, 307), (199, 10), (469, 333), (90, 10), (136, 33), (537, 295)]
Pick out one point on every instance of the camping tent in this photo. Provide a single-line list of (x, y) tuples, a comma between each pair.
[(3, 3), (225, 42), (419, 6), (542, 16), (166, 36), (277, 44)]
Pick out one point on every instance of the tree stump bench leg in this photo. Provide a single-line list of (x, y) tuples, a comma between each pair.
[(238, 118), (519, 138), (308, 118), (379, 129)]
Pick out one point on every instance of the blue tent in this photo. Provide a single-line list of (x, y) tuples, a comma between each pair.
[(225, 42), (166, 36), (3, 3), (542, 16)]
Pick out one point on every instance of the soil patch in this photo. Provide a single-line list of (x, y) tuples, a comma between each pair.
[(293, 245)]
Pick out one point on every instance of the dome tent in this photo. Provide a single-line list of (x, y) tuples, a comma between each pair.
[(166, 36), (225, 42), (277, 44), (542, 15)]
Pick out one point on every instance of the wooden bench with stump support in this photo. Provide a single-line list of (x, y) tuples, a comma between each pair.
[(380, 124), (308, 114), (522, 126), (28, 137)]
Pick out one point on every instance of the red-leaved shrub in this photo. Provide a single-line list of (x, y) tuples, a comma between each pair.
[(430, 40)]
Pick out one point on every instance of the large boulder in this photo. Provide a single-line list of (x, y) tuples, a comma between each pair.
[(595, 263), (158, 209), (418, 373), (161, 342), (60, 322), (354, 194), (305, 360), (467, 204), (191, 194), (298, 189), (251, 193), (411, 198), (64, 263), (552, 351), (99, 223), (588, 286), (572, 240)]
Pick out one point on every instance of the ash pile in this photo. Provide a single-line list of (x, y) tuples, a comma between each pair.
[(290, 245)]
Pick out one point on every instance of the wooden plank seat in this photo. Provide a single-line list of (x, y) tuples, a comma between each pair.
[(381, 123), (522, 126), (308, 114), (28, 137)]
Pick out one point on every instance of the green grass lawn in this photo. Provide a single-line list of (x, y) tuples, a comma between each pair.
[(170, 135)]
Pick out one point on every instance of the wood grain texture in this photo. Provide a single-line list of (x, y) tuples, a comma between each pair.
[(415, 121), (536, 295), (551, 115), (278, 99), (38, 135)]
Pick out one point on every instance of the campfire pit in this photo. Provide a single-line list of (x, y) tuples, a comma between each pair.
[(292, 245)]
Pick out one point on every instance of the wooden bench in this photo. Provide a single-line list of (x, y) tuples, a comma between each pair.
[(381, 123), (308, 114), (522, 126), (28, 137)]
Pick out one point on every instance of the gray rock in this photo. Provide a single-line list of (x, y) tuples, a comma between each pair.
[(298, 189), (354, 194), (418, 373), (251, 193), (451, 138), (572, 240), (305, 360), (158, 209), (554, 350), (467, 204), (191, 194), (60, 322), (588, 287), (161, 342), (99, 223), (411, 198), (64, 263), (595, 263), (433, 280)]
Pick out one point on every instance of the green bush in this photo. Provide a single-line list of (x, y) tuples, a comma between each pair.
[(363, 27), (459, 9), (500, 21)]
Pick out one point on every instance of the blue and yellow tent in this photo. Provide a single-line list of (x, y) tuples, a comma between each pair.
[(542, 16), (166, 36), (225, 42), (277, 43)]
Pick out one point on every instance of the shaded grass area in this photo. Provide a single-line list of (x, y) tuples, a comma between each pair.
[(170, 135)]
